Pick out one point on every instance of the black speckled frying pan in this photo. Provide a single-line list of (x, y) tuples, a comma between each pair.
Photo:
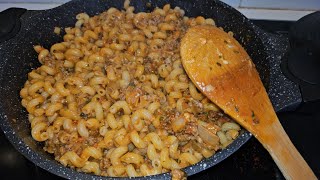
[(20, 29)]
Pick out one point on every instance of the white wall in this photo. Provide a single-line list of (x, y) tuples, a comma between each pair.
[(254, 9)]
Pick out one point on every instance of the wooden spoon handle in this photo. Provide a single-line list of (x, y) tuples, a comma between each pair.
[(284, 153), (219, 66)]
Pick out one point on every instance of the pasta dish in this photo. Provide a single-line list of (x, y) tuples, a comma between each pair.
[(113, 99)]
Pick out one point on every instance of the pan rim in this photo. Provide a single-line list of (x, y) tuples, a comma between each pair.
[(32, 155)]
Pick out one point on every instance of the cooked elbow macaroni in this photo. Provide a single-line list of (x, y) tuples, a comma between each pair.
[(114, 100)]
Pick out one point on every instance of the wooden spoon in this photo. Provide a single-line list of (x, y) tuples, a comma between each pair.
[(220, 68)]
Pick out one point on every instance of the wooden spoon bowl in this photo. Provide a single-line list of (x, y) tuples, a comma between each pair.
[(222, 70)]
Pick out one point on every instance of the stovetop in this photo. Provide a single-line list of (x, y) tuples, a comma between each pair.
[(251, 161)]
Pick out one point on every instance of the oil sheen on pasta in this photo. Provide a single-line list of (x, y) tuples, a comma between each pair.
[(113, 99)]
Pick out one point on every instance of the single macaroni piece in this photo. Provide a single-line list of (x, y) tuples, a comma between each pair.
[(72, 158), (113, 98), (91, 167), (91, 152), (136, 140), (39, 131)]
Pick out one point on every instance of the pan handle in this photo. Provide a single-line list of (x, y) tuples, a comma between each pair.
[(10, 23), (302, 63)]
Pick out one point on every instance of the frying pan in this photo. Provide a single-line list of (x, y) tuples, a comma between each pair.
[(21, 29)]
